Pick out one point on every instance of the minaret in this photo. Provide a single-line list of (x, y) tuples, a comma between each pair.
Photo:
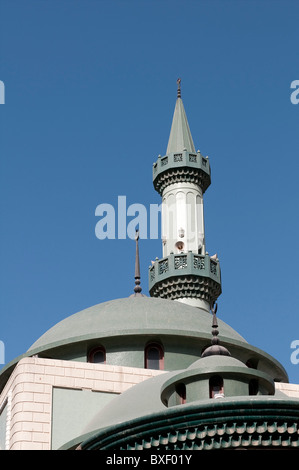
[(186, 272)]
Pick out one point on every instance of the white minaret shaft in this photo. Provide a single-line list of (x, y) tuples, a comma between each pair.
[(182, 219)]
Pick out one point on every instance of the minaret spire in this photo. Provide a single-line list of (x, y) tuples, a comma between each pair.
[(137, 288), (180, 137)]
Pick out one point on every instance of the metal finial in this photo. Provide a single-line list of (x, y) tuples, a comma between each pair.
[(215, 332), (215, 349), (137, 288), (179, 87)]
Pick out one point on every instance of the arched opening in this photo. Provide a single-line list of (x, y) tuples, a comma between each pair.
[(97, 355), (154, 356), (179, 246), (180, 393), (216, 387), (252, 363), (253, 387)]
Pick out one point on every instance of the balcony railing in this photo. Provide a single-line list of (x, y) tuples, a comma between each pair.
[(183, 159), (184, 264)]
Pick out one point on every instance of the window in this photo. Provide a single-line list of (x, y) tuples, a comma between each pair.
[(97, 355), (154, 357), (216, 387)]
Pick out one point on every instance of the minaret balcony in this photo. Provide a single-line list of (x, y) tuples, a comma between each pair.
[(181, 167), (185, 275)]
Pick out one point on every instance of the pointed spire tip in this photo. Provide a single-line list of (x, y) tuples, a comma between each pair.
[(179, 87), (180, 137)]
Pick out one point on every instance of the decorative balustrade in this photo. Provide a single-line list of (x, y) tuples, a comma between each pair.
[(181, 159), (184, 166), (184, 264)]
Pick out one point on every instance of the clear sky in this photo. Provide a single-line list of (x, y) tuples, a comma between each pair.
[(90, 89)]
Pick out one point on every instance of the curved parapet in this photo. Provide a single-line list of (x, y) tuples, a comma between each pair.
[(181, 167)]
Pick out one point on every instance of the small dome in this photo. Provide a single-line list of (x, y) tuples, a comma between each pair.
[(215, 350), (148, 400), (212, 362)]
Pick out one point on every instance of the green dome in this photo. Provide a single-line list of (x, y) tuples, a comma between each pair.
[(125, 325), (129, 322), (133, 315)]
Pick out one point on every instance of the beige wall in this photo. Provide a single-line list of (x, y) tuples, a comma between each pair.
[(29, 394), (292, 390)]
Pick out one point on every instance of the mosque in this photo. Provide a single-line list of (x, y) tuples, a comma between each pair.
[(158, 372)]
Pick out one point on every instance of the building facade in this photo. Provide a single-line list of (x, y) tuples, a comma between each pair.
[(157, 372)]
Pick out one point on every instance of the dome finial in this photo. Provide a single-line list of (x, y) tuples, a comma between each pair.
[(179, 87), (215, 349), (137, 288), (215, 332)]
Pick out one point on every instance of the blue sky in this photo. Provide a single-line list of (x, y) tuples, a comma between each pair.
[(90, 89)]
